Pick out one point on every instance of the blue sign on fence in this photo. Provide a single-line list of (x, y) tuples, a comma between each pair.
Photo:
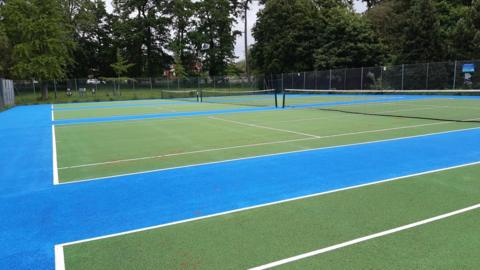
[(468, 68)]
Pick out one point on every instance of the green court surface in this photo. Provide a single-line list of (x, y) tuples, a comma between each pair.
[(93, 150), (255, 237)]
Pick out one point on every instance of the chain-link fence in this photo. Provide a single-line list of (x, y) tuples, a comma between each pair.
[(425, 76), (81, 90)]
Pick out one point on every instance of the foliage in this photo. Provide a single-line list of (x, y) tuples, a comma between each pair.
[(349, 41), (4, 51), (302, 34), (121, 66), (215, 24), (41, 47), (39, 37)]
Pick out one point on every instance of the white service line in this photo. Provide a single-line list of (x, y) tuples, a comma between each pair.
[(54, 157), (259, 206), (263, 127), (247, 146), (365, 238)]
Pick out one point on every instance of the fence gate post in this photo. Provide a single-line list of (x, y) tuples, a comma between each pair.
[(455, 75), (381, 78), (304, 80), (55, 87), (283, 89), (426, 81), (403, 75), (330, 80), (361, 80), (34, 91)]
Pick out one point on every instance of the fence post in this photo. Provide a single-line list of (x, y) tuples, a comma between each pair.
[(381, 78), (304, 80), (455, 75), (345, 79), (76, 86), (55, 87), (283, 89), (151, 84), (330, 80), (34, 91), (361, 80), (426, 81), (403, 75)]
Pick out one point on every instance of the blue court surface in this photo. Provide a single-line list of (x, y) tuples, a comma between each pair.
[(36, 214)]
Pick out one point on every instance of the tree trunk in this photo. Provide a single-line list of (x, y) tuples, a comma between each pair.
[(44, 90)]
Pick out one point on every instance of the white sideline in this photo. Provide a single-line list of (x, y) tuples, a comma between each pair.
[(54, 157), (250, 145), (263, 127), (59, 247), (59, 258), (267, 155), (365, 238)]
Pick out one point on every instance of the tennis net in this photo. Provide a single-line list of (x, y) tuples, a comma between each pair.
[(184, 95), (435, 105), (257, 98)]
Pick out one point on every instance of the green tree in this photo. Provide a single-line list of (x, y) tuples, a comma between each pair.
[(91, 30), (286, 35), (141, 29), (302, 35), (349, 41), (40, 39), (422, 37), (215, 28), (121, 66), (4, 51)]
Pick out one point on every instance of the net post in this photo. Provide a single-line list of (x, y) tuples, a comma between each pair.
[(455, 75), (276, 98), (403, 75), (283, 102)]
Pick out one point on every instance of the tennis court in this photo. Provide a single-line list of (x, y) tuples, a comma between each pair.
[(253, 180)]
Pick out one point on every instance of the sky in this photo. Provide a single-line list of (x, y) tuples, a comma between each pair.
[(252, 17)]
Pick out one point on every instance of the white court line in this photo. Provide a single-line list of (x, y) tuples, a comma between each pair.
[(54, 157), (263, 127), (263, 156), (59, 258), (365, 238), (61, 246), (247, 146)]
